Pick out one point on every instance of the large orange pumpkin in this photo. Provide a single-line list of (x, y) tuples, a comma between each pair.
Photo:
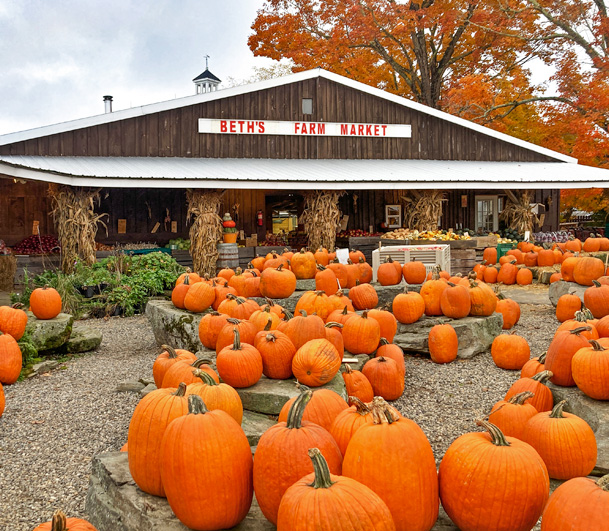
[(364, 296), (387, 322), (408, 307), (217, 395), (323, 408), (361, 335), (510, 351), (277, 352), (385, 376), (277, 283), (590, 370), (304, 328), (567, 305), (325, 502), (10, 359), (13, 321), (303, 264), (596, 299), (199, 297), (431, 292), (325, 280), (59, 522), (443, 343), (210, 326), (511, 416), (455, 302), (563, 347), (387, 274), (478, 459), (45, 303), (166, 359), (588, 269), (509, 309), (221, 497), (240, 364), (414, 272), (316, 362), (314, 302), (542, 399)]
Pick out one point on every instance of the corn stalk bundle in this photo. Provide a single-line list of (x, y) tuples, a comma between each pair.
[(205, 230), (76, 223), (519, 216), (321, 217), (8, 268), (423, 209)]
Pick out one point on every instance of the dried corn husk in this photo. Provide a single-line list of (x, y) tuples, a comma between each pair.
[(206, 229), (321, 217), (76, 223), (519, 216), (422, 210), (8, 268)]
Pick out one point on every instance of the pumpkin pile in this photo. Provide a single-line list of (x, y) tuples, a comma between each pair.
[(12, 328)]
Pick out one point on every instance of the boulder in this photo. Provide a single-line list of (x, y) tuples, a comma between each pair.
[(49, 334), (557, 289), (115, 503), (268, 396), (148, 389), (83, 339), (129, 387), (307, 284), (476, 334), (594, 412), (172, 326)]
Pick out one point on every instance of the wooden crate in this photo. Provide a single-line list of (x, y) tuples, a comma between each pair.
[(486, 241), (462, 260)]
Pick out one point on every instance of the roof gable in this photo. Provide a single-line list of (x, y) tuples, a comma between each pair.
[(268, 84)]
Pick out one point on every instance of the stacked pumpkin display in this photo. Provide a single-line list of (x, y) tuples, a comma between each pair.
[(12, 328)]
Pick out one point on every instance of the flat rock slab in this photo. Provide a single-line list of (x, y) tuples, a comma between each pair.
[(526, 296), (254, 425), (172, 326), (594, 412), (476, 334), (115, 503), (83, 339), (557, 289), (269, 396), (49, 334)]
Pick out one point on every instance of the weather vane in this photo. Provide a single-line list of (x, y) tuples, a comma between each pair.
[(206, 58)]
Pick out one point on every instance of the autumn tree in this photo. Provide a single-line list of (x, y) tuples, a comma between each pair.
[(594, 200)]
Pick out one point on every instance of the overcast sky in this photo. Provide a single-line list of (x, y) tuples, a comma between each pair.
[(60, 57)]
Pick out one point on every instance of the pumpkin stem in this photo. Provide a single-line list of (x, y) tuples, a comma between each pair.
[(205, 377), (236, 339), (580, 329), (383, 341), (542, 377), (596, 345), (200, 361), (181, 390), (280, 267), (332, 324), (542, 358), (320, 468), (297, 409), (268, 325), (603, 483), (303, 313), (521, 398), (497, 437), (382, 412), (360, 407), (233, 321), (196, 405), (348, 369), (557, 410), (596, 283), (170, 350), (59, 521)]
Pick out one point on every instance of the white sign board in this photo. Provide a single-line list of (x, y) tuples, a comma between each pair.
[(270, 127), (342, 255)]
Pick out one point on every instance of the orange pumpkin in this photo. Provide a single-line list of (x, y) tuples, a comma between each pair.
[(533, 366), (166, 359), (199, 297), (511, 416), (45, 303), (13, 321), (277, 283), (303, 264), (443, 343), (358, 386), (392, 351), (361, 334), (387, 274), (590, 370), (210, 326), (490, 275), (240, 364), (387, 322), (217, 395), (455, 302), (510, 351), (304, 328), (316, 362), (364, 297), (325, 280), (314, 302), (10, 359), (385, 376), (414, 272), (542, 399), (59, 522), (277, 352), (349, 420), (524, 277), (324, 407), (431, 292), (592, 245), (587, 269), (509, 309), (596, 299), (408, 307), (566, 307), (489, 255)]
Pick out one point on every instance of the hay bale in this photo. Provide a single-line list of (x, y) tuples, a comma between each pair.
[(8, 268)]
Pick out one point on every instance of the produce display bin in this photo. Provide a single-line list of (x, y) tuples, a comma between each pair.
[(166, 250), (430, 255), (503, 248)]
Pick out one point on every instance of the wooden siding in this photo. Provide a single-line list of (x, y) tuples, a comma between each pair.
[(174, 133)]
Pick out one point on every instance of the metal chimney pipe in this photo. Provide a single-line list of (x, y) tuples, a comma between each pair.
[(108, 103)]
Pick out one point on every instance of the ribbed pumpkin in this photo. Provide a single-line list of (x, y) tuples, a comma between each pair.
[(574, 245), (217, 395), (303, 264), (325, 405), (455, 302), (273, 307), (13, 321), (508, 274), (349, 420), (316, 302), (226, 337), (566, 306), (184, 370), (489, 255), (353, 274), (414, 272), (510, 416), (587, 269), (385, 376), (393, 457), (226, 273), (340, 316), (591, 245), (584, 320), (565, 442), (192, 277), (483, 300), (361, 334), (517, 254), (238, 307), (273, 261), (148, 423), (365, 271), (220, 497), (387, 322), (325, 280), (363, 296), (10, 359), (325, 502), (221, 290), (334, 335), (251, 286), (443, 343), (277, 283), (166, 359), (316, 362), (478, 460), (563, 347), (357, 385), (179, 292), (303, 328), (45, 303), (340, 270), (282, 459), (509, 309), (393, 351), (596, 299), (510, 351), (321, 256), (567, 267), (408, 307), (536, 384), (533, 366), (277, 352), (199, 297), (545, 258), (264, 320), (590, 370), (479, 269), (239, 365), (387, 274), (555, 277), (59, 522), (210, 326), (524, 277), (579, 504), (530, 259), (431, 291), (356, 255), (339, 301), (490, 275)]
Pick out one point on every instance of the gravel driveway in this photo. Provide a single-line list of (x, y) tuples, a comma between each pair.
[(54, 424)]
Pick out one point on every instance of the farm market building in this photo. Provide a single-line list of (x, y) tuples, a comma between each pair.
[(265, 143)]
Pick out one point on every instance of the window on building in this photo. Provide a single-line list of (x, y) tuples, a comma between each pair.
[(487, 213), (307, 106)]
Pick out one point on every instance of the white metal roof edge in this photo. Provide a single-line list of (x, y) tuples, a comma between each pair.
[(263, 85)]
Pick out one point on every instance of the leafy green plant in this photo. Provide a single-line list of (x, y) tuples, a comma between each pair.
[(28, 287)]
